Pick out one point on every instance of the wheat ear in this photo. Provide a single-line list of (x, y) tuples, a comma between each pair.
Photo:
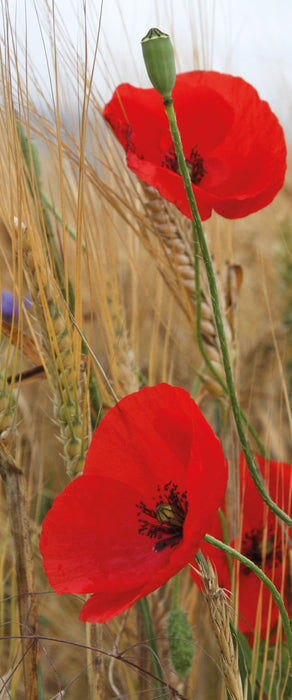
[(124, 367), (175, 237), (56, 342), (219, 609)]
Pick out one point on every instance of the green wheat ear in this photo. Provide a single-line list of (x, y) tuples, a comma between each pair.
[(180, 638)]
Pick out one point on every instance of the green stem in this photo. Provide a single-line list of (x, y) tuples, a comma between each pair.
[(254, 471), (261, 575), (145, 610)]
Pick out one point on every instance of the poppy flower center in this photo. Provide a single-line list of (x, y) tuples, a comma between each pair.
[(195, 164), (164, 522), (254, 547)]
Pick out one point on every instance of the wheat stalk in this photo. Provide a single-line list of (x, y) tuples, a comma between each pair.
[(17, 501)]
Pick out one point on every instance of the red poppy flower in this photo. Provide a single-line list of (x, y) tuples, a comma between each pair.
[(233, 143), (154, 477), (263, 541)]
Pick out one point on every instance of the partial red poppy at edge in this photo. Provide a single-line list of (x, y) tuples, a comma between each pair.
[(154, 477), (256, 516), (233, 143)]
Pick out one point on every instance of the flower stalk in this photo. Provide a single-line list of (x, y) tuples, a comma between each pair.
[(198, 229)]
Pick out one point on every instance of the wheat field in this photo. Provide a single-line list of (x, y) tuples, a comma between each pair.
[(81, 234)]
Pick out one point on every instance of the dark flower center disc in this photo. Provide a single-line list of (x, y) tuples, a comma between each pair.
[(194, 162), (164, 522), (253, 548)]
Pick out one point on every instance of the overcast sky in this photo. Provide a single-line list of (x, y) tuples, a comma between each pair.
[(251, 38)]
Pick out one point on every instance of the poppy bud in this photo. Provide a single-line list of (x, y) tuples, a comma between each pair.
[(180, 638), (159, 60)]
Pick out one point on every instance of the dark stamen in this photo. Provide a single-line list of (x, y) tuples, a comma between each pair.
[(196, 167), (195, 164)]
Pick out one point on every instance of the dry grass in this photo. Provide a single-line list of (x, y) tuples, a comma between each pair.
[(135, 304)]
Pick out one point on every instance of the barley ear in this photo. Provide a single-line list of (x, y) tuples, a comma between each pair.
[(63, 362), (236, 679), (175, 236)]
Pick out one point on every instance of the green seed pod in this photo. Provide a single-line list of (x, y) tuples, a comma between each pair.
[(159, 60), (180, 638)]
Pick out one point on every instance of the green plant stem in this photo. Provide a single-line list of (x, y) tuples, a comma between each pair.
[(145, 610), (261, 575), (254, 471)]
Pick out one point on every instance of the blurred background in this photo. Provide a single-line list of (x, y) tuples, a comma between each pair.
[(251, 39)]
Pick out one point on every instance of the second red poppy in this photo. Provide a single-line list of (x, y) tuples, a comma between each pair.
[(265, 542)]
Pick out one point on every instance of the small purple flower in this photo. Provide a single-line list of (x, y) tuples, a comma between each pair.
[(9, 302)]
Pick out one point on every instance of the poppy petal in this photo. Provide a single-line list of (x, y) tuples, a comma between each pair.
[(102, 606), (90, 538), (165, 413)]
